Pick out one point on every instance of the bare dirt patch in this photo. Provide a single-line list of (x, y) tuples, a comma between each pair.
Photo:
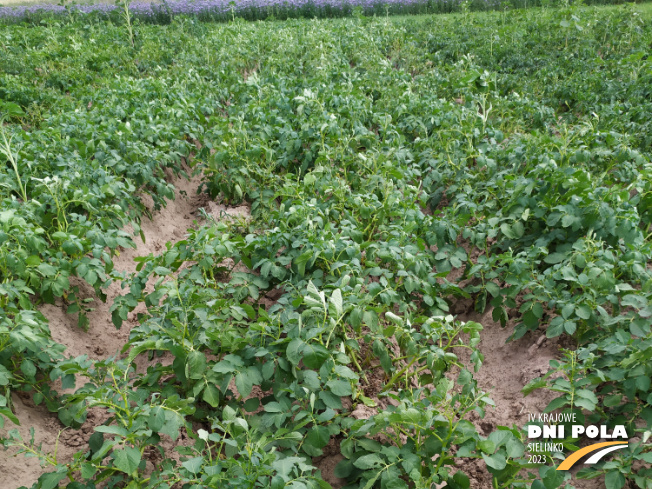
[(507, 368)]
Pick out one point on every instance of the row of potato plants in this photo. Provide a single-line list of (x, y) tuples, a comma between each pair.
[(383, 156)]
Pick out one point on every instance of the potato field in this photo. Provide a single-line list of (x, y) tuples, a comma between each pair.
[(359, 253)]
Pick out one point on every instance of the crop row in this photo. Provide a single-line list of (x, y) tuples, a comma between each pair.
[(514, 149)]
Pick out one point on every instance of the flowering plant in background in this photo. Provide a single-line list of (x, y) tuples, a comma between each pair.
[(227, 10)]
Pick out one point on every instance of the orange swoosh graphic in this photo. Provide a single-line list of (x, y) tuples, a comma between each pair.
[(570, 461)]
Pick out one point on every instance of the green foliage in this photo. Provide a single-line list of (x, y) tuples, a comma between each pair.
[(380, 159), (125, 14)]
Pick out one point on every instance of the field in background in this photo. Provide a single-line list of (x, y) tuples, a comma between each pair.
[(12, 3), (223, 10), (350, 253)]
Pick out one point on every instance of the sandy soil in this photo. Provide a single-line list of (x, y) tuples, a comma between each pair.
[(507, 368)]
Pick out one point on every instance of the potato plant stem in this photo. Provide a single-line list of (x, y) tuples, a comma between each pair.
[(6, 150)]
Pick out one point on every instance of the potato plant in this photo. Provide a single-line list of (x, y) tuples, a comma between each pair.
[(394, 167)]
